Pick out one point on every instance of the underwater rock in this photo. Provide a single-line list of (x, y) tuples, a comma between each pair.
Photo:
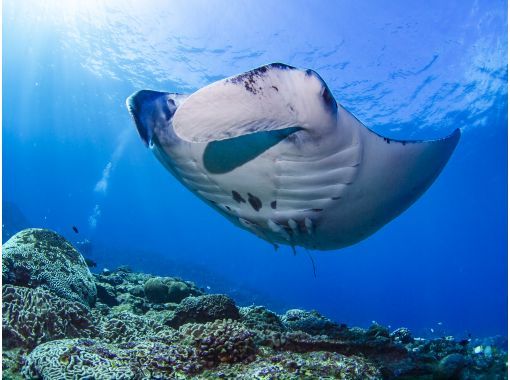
[(42, 258), (266, 325), (106, 294), (137, 291), (450, 367), (168, 289), (310, 322), (34, 316), (221, 341), (204, 309), (260, 318), (402, 335), (156, 290)]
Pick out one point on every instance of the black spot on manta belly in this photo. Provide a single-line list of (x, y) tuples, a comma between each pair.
[(237, 197), (255, 202), (273, 205)]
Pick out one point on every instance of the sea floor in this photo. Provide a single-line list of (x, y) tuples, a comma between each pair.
[(60, 321)]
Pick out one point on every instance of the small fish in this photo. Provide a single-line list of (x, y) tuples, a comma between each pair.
[(90, 263), (75, 229), (432, 330), (440, 323)]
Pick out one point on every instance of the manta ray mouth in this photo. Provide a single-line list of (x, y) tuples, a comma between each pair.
[(144, 106)]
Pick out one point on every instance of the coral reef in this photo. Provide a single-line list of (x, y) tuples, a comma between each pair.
[(148, 327), (140, 292), (260, 319), (41, 258), (169, 289), (123, 327), (310, 322), (34, 316), (203, 309), (221, 341)]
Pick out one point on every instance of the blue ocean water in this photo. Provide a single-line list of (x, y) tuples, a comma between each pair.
[(72, 156)]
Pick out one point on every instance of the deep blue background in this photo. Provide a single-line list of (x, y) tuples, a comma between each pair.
[(409, 72)]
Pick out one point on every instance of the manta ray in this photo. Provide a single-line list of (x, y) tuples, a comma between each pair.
[(275, 153)]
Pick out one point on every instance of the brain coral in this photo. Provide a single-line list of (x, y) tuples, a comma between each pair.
[(92, 359), (37, 257), (75, 359), (33, 316), (125, 327)]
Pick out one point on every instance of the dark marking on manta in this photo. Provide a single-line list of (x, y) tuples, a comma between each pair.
[(237, 197), (273, 205), (228, 208), (328, 98), (281, 66), (404, 142), (255, 202), (335, 198), (226, 155), (276, 88), (316, 209), (248, 78)]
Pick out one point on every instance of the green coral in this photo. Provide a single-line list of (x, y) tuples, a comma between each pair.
[(156, 290), (169, 289), (41, 258)]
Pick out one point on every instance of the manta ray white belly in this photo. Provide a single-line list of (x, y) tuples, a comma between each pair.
[(273, 152)]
